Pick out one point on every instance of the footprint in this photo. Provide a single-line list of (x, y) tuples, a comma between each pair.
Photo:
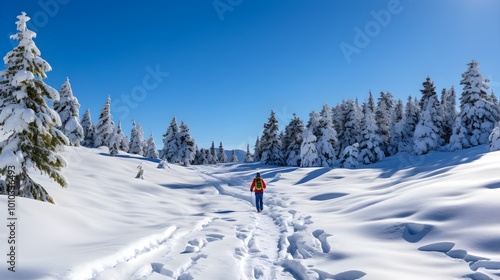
[(214, 237), (442, 247), (414, 232), (321, 236)]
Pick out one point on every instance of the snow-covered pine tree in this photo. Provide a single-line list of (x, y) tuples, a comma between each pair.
[(123, 144), (141, 146), (326, 140), (292, 141), (248, 155), (31, 138), (369, 148), (136, 142), (383, 117), (88, 130), (427, 136), (103, 129), (114, 142), (337, 118), (151, 151), (256, 150), (350, 130), (171, 147), (68, 109), (449, 111), (187, 145), (458, 139), (371, 102), (271, 142), (349, 156), (477, 111), (207, 157), (212, 155), (308, 152), (198, 156), (495, 138), (412, 115), (397, 128), (221, 155), (234, 158)]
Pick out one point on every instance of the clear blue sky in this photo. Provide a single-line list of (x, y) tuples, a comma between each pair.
[(222, 66)]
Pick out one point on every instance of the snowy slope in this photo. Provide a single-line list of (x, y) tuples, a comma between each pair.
[(406, 217)]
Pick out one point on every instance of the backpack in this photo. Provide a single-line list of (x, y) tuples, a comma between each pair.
[(258, 184)]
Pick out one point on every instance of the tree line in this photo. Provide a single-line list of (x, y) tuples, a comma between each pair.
[(353, 133)]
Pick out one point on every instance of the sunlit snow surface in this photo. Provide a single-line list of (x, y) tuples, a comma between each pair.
[(406, 217)]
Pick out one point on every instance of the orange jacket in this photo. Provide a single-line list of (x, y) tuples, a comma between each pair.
[(253, 186)]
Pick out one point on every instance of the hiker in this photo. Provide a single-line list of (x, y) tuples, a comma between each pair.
[(259, 185)]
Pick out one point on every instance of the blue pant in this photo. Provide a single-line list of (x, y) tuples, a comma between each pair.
[(259, 204)]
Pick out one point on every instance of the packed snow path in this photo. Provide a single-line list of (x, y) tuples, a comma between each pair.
[(273, 244)]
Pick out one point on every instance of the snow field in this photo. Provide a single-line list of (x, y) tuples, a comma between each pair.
[(428, 217)]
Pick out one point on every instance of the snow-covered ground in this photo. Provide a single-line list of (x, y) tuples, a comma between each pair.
[(406, 217)]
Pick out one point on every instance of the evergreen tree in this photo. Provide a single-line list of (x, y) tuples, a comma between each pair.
[(383, 117), (308, 152), (326, 138), (104, 128), (212, 155), (136, 140), (221, 155), (31, 138), (369, 148), (113, 143), (208, 158), (313, 123), (151, 151), (187, 145), (248, 155), (198, 156), (397, 128), (427, 136), (142, 141), (171, 143), (477, 110), (495, 138), (371, 102), (412, 115), (271, 142), (458, 139), (349, 156), (292, 141), (234, 158), (123, 144), (449, 112), (68, 109), (336, 118), (256, 150), (88, 130), (350, 130)]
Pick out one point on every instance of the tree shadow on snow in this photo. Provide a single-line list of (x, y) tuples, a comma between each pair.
[(185, 186), (154, 160), (313, 175), (428, 165)]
